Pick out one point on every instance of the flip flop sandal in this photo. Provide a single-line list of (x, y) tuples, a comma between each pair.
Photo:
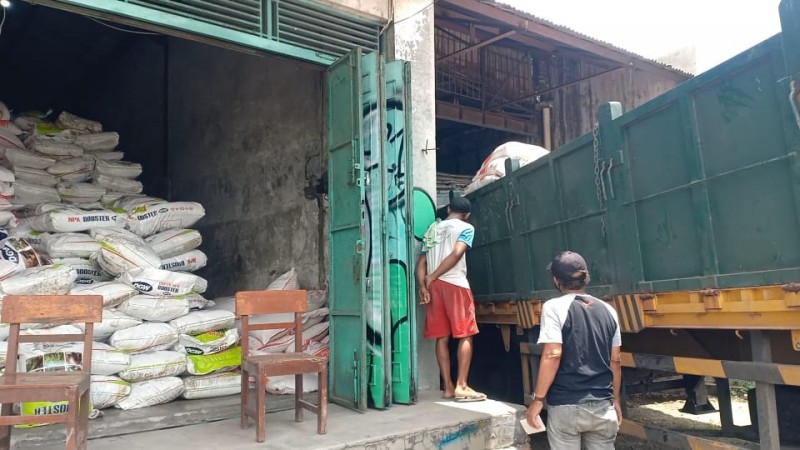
[(474, 397)]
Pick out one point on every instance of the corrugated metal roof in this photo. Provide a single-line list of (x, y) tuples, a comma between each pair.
[(538, 20)]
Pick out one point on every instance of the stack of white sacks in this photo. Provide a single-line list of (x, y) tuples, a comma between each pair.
[(73, 221)]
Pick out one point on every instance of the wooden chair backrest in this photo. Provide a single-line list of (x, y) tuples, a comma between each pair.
[(18, 309), (250, 303)]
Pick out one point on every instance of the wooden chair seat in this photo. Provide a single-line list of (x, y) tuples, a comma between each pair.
[(276, 364), (261, 367)]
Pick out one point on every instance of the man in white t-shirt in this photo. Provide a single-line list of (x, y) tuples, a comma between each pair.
[(580, 373), (444, 289)]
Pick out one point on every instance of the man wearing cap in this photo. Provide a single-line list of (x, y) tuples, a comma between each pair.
[(580, 373), (444, 289)]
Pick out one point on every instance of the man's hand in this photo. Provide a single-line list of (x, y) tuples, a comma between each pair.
[(618, 409), (429, 279), (534, 409), (424, 295)]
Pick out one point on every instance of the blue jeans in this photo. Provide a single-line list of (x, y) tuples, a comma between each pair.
[(591, 425)]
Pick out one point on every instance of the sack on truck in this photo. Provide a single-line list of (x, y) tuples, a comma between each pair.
[(26, 193), (80, 192), (26, 158), (117, 184)]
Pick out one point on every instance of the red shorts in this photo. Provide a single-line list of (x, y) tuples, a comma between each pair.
[(451, 312)]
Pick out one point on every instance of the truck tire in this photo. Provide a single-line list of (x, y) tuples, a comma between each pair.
[(788, 401)]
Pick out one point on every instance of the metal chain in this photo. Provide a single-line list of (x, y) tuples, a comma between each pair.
[(597, 174)]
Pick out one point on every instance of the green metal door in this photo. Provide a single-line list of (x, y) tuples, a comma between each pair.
[(348, 343), (400, 250)]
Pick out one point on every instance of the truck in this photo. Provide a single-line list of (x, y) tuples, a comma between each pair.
[(687, 210)]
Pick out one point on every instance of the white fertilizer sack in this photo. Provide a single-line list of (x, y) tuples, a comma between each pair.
[(35, 238), (73, 169), (10, 140), (99, 234), (197, 301), (155, 309), (285, 384), (113, 321), (5, 113), (16, 255), (11, 127), (207, 343), (118, 169), (145, 338), (152, 365), (107, 391), (174, 242), (186, 262), (119, 255), (108, 156), (36, 176), (198, 322), (152, 392), (149, 219), (71, 245), (285, 282), (113, 292), (55, 148), (26, 158), (161, 282), (47, 280), (211, 386), (106, 360), (71, 219), (26, 193), (88, 270), (117, 184), (80, 192), (98, 142), (6, 175), (69, 121)]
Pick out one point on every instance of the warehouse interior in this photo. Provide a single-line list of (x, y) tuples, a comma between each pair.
[(240, 133)]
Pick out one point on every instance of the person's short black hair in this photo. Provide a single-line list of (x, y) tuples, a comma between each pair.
[(461, 205)]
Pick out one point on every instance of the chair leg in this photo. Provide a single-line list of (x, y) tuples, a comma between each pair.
[(5, 430), (73, 411), (245, 398), (322, 417), (261, 401), (298, 396), (85, 403)]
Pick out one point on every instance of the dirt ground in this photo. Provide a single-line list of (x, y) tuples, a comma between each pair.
[(663, 411)]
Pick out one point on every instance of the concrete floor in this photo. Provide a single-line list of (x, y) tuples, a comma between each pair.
[(431, 424)]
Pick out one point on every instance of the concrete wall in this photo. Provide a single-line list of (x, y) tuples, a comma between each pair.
[(241, 132)]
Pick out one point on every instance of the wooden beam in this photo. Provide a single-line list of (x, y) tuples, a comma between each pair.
[(485, 119), (488, 31), (477, 46)]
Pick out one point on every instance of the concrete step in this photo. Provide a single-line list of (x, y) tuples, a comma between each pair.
[(430, 424)]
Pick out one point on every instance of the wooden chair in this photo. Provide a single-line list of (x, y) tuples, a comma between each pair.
[(49, 386), (276, 364)]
